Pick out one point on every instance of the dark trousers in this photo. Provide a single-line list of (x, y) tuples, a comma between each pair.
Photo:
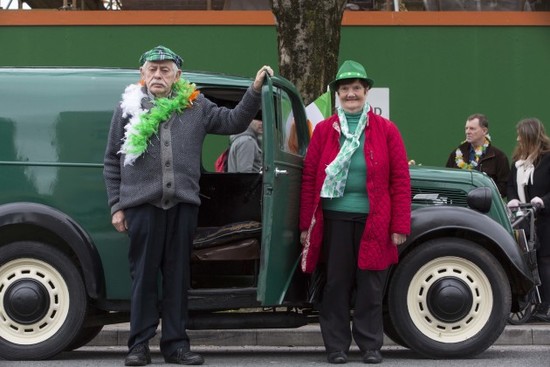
[(160, 240), (543, 263), (341, 239)]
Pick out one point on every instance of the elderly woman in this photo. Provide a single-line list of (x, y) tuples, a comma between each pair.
[(355, 211), (529, 182)]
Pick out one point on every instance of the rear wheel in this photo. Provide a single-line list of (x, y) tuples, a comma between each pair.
[(89, 329), (42, 301), (85, 335), (449, 298)]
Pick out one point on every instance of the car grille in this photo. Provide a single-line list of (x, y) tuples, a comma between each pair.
[(439, 196)]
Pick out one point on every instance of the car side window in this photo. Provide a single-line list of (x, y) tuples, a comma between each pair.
[(286, 124)]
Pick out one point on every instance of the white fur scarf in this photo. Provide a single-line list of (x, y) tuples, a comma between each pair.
[(131, 106), (525, 170)]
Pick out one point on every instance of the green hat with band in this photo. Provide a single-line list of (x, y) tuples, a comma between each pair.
[(351, 70), (161, 53)]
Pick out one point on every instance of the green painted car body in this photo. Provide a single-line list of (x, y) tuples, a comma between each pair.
[(55, 228)]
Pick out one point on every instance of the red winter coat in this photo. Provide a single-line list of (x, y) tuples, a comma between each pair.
[(388, 188)]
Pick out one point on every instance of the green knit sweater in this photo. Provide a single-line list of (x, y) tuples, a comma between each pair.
[(355, 199)]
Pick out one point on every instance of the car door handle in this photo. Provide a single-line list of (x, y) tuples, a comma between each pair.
[(280, 172)]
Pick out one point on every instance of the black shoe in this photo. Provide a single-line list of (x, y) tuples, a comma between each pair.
[(182, 356), (337, 357), (138, 356), (372, 356)]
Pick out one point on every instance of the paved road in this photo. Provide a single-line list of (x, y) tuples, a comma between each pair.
[(522, 345), (496, 356), (306, 336)]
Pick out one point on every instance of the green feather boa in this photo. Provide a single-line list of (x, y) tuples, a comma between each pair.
[(137, 138)]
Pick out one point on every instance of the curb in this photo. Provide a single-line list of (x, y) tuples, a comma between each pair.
[(305, 336)]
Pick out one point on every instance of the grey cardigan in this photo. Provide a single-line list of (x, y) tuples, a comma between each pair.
[(168, 172)]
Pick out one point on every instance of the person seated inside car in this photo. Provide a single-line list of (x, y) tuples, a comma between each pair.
[(245, 152)]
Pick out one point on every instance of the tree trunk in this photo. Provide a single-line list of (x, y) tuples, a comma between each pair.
[(308, 36)]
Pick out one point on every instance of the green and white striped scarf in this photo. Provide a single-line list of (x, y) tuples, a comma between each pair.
[(337, 170)]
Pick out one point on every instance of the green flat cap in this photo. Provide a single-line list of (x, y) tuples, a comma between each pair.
[(160, 53), (351, 70)]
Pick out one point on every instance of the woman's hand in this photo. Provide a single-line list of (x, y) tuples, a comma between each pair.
[(398, 238), (537, 202)]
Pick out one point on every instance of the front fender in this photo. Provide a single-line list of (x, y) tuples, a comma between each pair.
[(428, 221), (64, 227)]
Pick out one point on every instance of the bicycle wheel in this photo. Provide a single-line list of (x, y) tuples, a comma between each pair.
[(525, 311)]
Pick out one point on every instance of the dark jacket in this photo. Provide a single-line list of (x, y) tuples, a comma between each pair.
[(494, 163), (539, 187)]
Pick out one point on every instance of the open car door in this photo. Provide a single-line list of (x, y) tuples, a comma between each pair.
[(285, 139)]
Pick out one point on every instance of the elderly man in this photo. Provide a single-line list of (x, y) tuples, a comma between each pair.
[(152, 170), (477, 153)]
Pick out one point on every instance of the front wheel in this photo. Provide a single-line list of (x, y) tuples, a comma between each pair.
[(449, 298), (42, 301)]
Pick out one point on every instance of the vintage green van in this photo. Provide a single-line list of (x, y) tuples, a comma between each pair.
[(64, 271)]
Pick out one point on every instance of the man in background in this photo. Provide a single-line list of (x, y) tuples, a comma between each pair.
[(478, 153)]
